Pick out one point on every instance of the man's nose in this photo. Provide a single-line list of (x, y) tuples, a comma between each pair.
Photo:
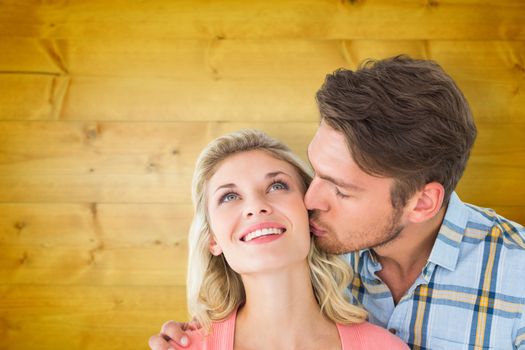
[(314, 198)]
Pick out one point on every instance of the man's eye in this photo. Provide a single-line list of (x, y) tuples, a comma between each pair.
[(340, 194)]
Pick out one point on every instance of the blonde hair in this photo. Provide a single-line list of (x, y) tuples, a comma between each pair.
[(214, 289)]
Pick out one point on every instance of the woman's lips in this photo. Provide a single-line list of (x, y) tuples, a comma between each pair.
[(262, 228), (264, 239)]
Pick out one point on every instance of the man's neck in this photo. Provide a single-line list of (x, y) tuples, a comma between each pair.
[(403, 259)]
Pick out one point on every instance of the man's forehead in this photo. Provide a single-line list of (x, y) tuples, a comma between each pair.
[(331, 159), (328, 143)]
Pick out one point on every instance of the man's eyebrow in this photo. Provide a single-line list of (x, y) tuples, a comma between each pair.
[(341, 184)]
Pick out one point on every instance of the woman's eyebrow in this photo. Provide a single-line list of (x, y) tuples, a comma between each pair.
[(230, 185), (275, 174)]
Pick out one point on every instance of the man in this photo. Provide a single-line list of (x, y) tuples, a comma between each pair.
[(393, 142)]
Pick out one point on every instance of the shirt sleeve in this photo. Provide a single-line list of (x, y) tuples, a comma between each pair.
[(519, 337)]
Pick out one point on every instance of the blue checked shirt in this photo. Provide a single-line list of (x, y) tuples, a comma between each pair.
[(470, 294)]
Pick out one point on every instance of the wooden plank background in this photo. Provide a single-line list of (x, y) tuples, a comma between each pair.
[(104, 106)]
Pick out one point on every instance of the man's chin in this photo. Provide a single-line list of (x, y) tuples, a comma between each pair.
[(325, 244)]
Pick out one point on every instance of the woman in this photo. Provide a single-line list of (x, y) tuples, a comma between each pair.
[(255, 279)]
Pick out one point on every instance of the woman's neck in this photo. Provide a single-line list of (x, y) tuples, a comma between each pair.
[(281, 312)]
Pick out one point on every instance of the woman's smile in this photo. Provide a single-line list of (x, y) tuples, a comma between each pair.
[(262, 230)]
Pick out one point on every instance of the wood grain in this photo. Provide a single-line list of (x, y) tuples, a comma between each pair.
[(328, 19), (231, 80), (85, 317), (90, 244), (105, 105)]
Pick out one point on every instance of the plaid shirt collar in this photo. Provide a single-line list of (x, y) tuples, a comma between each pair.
[(445, 252)]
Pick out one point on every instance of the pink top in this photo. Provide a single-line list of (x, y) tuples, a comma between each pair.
[(363, 336)]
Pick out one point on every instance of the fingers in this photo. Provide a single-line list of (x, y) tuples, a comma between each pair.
[(174, 331), (158, 342), (192, 326)]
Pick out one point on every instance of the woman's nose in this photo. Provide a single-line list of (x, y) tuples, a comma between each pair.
[(257, 206)]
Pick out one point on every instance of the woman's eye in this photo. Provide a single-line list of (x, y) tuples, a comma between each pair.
[(228, 197), (276, 186)]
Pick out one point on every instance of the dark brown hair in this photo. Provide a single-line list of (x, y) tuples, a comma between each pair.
[(402, 118)]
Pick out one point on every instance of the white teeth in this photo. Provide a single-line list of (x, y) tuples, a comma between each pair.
[(263, 232)]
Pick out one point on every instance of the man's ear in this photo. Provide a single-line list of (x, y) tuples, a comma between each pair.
[(427, 202), (215, 249)]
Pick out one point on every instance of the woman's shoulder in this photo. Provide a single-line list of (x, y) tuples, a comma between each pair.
[(220, 336), (367, 336)]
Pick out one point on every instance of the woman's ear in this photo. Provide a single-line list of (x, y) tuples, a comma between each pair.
[(215, 249)]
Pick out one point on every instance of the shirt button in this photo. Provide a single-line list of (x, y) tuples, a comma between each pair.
[(392, 330)]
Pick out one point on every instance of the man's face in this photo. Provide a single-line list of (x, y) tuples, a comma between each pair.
[(351, 210)]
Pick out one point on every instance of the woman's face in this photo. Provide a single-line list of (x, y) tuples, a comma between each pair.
[(257, 214)]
